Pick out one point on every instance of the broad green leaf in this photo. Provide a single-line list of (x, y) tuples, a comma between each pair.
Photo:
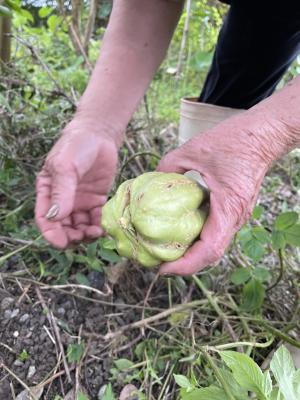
[(238, 392), (5, 12), (240, 275), (123, 364), (257, 212), (284, 370), (254, 249), (53, 22), (75, 352), (27, 15), (96, 265), (82, 279), (184, 382), (261, 234), (247, 373), (107, 243), (245, 234), (276, 395), (45, 11), (91, 251), (209, 393), (262, 274), (108, 393), (82, 396), (268, 382), (253, 295), (296, 382), (292, 235), (278, 240), (13, 5), (109, 255), (286, 220)]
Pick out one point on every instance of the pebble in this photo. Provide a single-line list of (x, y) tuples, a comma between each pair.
[(15, 334), (18, 363), (6, 302), (61, 311), (24, 318), (31, 371), (10, 314)]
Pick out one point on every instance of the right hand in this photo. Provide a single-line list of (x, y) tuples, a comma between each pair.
[(74, 182)]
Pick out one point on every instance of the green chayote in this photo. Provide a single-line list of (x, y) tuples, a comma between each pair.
[(154, 217)]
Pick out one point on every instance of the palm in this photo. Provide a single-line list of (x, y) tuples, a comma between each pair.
[(77, 176)]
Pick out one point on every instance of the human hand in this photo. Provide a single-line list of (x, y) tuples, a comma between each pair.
[(231, 162), (73, 184)]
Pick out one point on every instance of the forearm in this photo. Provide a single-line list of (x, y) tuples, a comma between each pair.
[(277, 122), (134, 45)]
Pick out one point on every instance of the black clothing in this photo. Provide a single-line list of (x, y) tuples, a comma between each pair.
[(257, 43)]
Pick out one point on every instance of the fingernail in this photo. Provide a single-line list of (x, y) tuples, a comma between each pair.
[(53, 211)]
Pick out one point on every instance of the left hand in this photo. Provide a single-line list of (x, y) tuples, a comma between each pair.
[(231, 161)]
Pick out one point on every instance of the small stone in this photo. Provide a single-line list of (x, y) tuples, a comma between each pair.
[(6, 302), (16, 334), (31, 371), (7, 314), (61, 311), (18, 363), (14, 313), (24, 318)]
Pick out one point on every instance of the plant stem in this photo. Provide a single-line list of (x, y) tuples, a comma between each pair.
[(282, 269), (218, 375), (280, 334)]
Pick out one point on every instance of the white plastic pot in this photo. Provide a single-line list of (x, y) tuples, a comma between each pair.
[(198, 117)]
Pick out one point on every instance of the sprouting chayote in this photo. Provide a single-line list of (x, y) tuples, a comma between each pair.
[(154, 217)]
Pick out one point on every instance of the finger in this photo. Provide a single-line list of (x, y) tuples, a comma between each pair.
[(52, 231), (74, 235), (63, 189), (80, 217), (90, 200), (217, 232), (66, 221), (95, 216), (171, 163), (93, 232)]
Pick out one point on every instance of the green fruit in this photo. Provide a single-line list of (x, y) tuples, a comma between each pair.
[(155, 217)]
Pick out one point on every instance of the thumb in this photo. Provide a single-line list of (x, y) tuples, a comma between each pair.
[(63, 189), (171, 162)]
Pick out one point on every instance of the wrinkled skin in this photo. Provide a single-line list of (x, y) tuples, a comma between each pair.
[(231, 161), (73, 178)]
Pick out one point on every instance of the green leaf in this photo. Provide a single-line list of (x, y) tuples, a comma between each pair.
[(276, 395), (82, 279), (107, 243), (240, 275), (75, 352), (5, 12), (283, 368), (254, 249), (292, 235), (209, 393), (27, 15), (262, 274), (13, 5), (184, 382), (247, 373), (253, 295), (53, 22), (123, 364), (82, 396), (108, 393), (257, 212), (238, 392), (286, 220), (92, 250), (109, 255), (278, 240), (45, 11), (245, 234), (96, 265), (261, 234)]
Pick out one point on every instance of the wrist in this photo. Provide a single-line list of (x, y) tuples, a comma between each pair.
[(85, 122)]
